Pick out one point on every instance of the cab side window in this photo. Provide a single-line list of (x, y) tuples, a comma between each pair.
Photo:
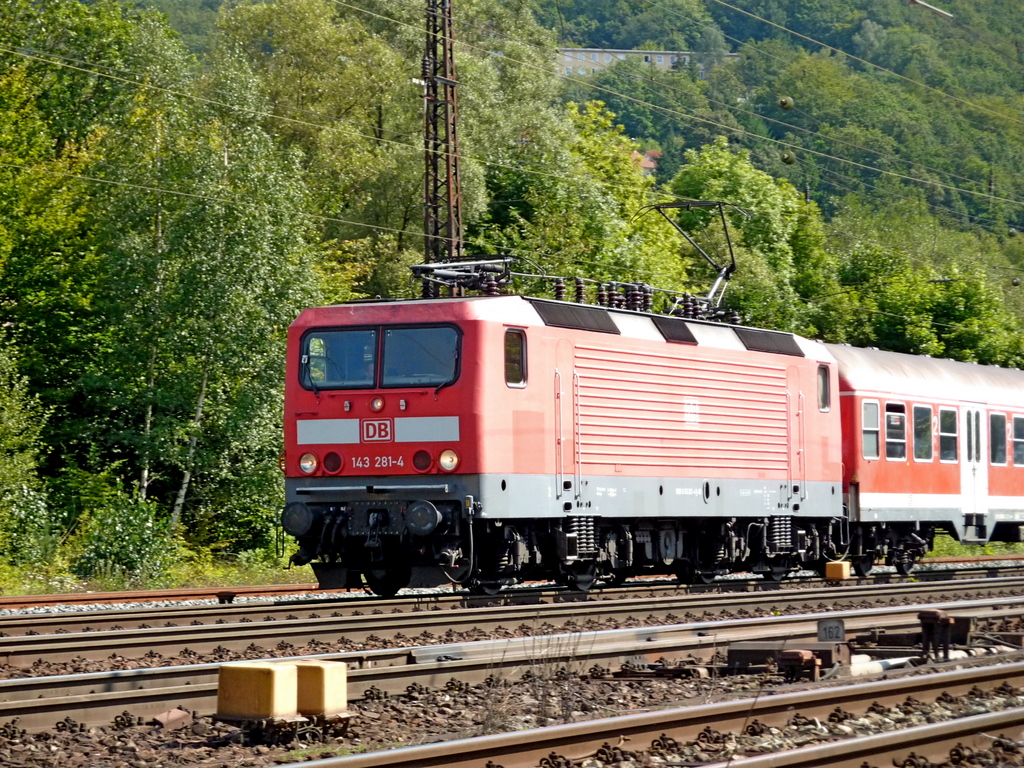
[(515, 358), (824, 393)]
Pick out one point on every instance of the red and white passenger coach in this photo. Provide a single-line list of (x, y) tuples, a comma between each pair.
[(491, 439)]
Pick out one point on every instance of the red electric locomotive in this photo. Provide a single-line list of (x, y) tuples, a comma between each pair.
[(492, 439)]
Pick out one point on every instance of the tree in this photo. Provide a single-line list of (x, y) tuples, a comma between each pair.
[(780, 253), (205, 265), (582, 222), (928, 293)]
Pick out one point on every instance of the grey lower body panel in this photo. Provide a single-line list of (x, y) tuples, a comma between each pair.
[(510, 496)]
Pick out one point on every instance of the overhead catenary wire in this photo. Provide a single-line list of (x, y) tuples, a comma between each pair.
[(243, 204), (695, 118), (326, 218), (416, 148), (731, 129), (965, 102), (730, 107)]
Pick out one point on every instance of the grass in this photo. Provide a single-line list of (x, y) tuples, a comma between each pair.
[(195, 570), (946, 546), (257, 567)]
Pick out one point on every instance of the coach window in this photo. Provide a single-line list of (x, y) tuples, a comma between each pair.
[(824, 393), (515, 358), (947, 435), (923, 432), (895, 431), (1018, 441), (869, 429), (997, 437)]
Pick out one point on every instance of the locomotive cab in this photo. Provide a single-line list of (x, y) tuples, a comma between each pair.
[(381, 450)]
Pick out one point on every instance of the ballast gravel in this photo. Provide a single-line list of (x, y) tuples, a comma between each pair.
[(304, 596), (547, 696)]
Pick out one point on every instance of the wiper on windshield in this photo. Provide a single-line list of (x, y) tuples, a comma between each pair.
[(309, 375), (453, 377)]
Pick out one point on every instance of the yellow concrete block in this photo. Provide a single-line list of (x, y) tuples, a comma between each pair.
[(837, 571), (323, 687), (257, 690)]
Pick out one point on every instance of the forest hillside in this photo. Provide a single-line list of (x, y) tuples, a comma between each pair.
[(179, 178)]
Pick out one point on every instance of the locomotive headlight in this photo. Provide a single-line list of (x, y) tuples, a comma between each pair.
[(308, 463), (377, 404), (448, 460), (421, 518)]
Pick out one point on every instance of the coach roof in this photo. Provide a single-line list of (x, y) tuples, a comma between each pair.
[(874, 372)]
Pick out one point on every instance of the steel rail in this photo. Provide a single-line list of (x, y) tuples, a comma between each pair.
[(157, 595), (24, 650), (525, 749), (932, 742), (974, 570), (96, 698), (686, 600)]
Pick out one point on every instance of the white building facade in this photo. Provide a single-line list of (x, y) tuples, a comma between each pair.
[(590, 61)]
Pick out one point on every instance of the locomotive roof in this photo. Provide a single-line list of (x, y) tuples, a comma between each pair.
[(585, 317), (876, 372)]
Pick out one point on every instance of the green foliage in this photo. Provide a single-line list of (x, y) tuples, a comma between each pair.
[(782, 263), (121, 539), (925, 295), (582, 219), (670, 25), (21, 425), (164, 217), (946, 546)]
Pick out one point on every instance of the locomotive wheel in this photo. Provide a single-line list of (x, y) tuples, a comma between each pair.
[(862, 564), (489, 588), (777, 570), (689, 573), (904, 563), (387, 581), (581, 577)]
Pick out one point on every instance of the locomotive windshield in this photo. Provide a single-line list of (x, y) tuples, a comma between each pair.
[(422, 356)]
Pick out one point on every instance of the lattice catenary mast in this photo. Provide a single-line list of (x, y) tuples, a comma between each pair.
[(442, 191)]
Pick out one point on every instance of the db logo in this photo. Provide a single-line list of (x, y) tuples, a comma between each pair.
[(377, 431)]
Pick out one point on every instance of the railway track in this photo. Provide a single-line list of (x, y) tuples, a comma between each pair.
[(664, 732), (95, 699), (222, 594), (229, 594), (432, 623), (691, 598)]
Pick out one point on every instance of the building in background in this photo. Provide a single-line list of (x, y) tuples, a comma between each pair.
[(647, 161), (590, 61)]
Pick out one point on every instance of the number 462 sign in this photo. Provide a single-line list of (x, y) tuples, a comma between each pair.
[(831, 631)]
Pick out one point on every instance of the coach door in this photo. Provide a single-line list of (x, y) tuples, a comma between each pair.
[(973, 462), (567, 434)]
